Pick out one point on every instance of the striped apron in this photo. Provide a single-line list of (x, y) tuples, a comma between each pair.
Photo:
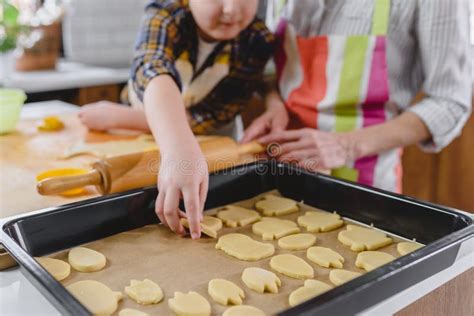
[(339, 83)]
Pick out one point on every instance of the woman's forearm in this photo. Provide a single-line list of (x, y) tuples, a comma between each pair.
[(166, 114), (406, 129), (130, 118)]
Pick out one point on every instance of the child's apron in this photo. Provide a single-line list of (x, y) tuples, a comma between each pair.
[(339, 83)]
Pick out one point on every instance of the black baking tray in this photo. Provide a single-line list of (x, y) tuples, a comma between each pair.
[(442, 229)]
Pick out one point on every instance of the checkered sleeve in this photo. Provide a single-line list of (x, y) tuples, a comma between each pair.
[(154, 49), (232, 94)]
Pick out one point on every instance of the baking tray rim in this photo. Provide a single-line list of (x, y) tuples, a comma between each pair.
[(43, 281)]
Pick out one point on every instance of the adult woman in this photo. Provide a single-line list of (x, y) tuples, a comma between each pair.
[(348, 72)]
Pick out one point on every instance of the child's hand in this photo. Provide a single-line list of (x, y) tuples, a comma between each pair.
[(101, 116), (182, 177), (275, 119)]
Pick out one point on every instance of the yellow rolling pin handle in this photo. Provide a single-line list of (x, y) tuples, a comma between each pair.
[(57, 185)]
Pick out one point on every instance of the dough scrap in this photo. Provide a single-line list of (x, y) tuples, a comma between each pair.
[(132, 312), (274, 228), (244, 248), (292, 266), (261, 280), (234, 216), (243, 310), (272, 205), (406, 247), (98, 298), (316, 222), (360, 238), (297, 241), (189, 304), (208, 225), (340, 276), (83, 259), (144, 292), (225, 292), (325, 257), (370, 260), (57, 268), (311, 288)]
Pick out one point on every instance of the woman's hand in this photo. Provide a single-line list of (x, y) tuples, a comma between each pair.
[(274, 119), (312, 149), (101, 116)]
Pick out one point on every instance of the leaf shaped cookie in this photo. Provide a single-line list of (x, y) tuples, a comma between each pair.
[(340, 276), (261, 280), (292, 266), (190, 303), (406, 247), (311, 288), (225, 292), (325, 257)]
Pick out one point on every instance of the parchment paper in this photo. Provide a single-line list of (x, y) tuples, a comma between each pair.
[(183, 264)]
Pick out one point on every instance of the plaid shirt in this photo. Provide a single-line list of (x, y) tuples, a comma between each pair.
[(168, 29)]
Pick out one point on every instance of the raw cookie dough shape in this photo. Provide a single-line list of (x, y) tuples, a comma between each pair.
[(360, 238), (272, 205), (406, 247), (274, 228), (325, 257), (297, 241), (208, 225), (83, 259), (189, 304), (261, 280), (225, 292), (243, 310), (316, 222), (292, 266), (311, 288), (144, 292), (98, 298), (57, 268), (340, 276), (234, 216), (132, 312), (244, 248), (370, 260)]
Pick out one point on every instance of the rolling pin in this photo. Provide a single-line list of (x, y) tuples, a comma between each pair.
[(132, 171)]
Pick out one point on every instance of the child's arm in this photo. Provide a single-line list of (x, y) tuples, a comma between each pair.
[(105, 115), (183, 170)]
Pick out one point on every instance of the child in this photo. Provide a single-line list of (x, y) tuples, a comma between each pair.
[(196, 65)]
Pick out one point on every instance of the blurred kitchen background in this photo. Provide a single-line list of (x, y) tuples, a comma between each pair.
[(79, 52)]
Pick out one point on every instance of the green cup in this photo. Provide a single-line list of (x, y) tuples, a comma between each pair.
[(11, 101)]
